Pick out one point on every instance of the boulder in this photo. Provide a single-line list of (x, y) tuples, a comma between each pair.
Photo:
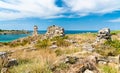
[(54, 31), (53, 47), (103, 61), (114, 59), (76, 65), (88, 71), (3, 59), (4, 70), (87, 47), (71, 41), (103, 34), (88, 65), (71, 60), (11, 62)]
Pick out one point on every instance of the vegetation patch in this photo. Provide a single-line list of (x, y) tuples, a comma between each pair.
[(115, 32), (43, 43), (109, 48), (108, 69), (60, 41)]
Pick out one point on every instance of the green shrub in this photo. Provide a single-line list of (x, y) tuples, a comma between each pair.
[(108, 69), (43, 43), (14, 44), (31, 68), (113, 43), (24, 42), (115, 32), (59, 52), (24, 61), (60, 41), (63, 66), (109, 48)]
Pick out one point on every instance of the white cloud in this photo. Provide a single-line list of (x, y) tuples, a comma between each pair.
[(29, 8), (85, 7), (115, 20), (14, 9)]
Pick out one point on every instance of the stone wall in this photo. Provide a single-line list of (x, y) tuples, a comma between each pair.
[(54, 31), (104, 34)]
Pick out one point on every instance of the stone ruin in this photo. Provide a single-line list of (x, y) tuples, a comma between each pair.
[(103, 34), (54, 31), (35, 32)]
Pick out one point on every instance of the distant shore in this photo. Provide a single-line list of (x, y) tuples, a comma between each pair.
[(5, 32)]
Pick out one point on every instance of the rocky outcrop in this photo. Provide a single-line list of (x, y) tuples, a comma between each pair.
[(54, 31), (104, 34), (3, 59), (87, 47), (78, 65), (35, 32), (11, 62), (4, 70), (5, 62)]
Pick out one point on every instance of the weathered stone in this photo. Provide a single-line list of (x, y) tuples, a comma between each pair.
[(88, 65), (35, 32), (71, 41), (71, 60), (92, 58), (77, 65), (88, 47), (11, 62), (103, 61), (4, 70), (54, 31), (3, 59), (53, 47), (103, 34), (88, 71), (114, 59)]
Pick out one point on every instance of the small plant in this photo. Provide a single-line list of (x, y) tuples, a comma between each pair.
[(63, 66), (24, 42), (43, 43), (60, 41), (59, 52), (72, 60), (115, 32), (113, 43), (109, 48), (23, 61), (108, 69)]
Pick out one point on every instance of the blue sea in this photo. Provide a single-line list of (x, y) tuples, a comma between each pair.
[(11, 37)]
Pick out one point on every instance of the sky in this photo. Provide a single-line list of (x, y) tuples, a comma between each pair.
[(69, 14)]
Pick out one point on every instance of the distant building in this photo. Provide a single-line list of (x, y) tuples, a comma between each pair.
[(35, 32)]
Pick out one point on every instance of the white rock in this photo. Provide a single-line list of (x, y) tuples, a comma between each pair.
[(88, 71)]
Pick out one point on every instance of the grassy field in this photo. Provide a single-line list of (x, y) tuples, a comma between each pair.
[(42, 58)]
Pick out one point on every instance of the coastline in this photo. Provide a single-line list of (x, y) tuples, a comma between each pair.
[(11, 37), (5, 32)]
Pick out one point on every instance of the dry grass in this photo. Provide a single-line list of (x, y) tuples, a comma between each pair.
[(34, 61), (82, 38), (108, 69), (40, 60)]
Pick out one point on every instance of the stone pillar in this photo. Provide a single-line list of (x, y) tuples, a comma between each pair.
[(35, 32)]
